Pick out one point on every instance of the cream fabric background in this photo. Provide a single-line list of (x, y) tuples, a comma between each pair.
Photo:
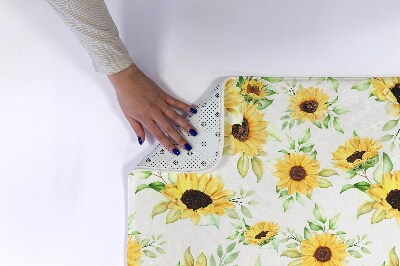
[(65, 147)]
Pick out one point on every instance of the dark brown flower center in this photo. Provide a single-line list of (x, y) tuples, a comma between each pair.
[(393, 198), (357, 155), (297, 173), (261, 235), (253, 89), (195, 199), (396, 92), (323, 254), (241, 132), (309, 106)]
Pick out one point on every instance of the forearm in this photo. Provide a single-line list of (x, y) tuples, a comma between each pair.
[(91, 21)]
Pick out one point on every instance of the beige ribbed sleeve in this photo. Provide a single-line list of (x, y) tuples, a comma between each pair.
[(91, 21)]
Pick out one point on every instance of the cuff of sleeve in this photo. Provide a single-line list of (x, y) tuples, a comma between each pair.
[(110, 59)]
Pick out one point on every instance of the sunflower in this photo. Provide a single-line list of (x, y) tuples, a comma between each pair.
[(188, 259), (386, 89), (323, 249), (196, 195), (134, 251), (355, 152), (253, 89), (387, 195), (232, 98), (298, 172), (247, 137), (261, 233), (309, 103)]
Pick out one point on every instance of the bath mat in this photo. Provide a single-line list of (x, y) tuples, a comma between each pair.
[(284, 171)]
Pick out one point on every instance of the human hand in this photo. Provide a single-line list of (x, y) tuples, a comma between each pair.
[(145, 104)]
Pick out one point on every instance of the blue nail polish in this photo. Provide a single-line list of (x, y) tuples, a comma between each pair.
[(187, 147), (193, 132), (140, 140), (176, 152), (193, 110)]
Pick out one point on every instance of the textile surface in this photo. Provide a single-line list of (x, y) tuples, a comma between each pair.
[(309, 175)]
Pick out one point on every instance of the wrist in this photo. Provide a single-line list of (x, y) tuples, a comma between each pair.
[(119, 80)]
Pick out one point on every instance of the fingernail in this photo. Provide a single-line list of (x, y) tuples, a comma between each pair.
[(193, 132), (176, 152), (193, 110), (187, 147), (140, 140)]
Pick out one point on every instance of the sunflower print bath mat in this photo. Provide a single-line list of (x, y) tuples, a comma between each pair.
[(284, 171)]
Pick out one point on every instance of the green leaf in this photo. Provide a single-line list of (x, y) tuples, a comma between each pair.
[(243, 165), (365, 250), (141, 187), (350, 174), (287, 203), (173, 216), (172, 177), (326, 121), (326, 172), (378, 215), (149, 253), (272, 79), (324, 183), (231, 247), (258, 168), (363, 186), (346, 187), (291, 253), (245, 211), (355, 253), (314, 155), (160, 250), (159, 208), (318, 215), (307, 149), (232, 213), (320, 80), (386, 137), (315, 227), (291, 142), (264, 103), (231, 258), (393, 258), (334, 83), (157, 186), (384, 166), (144, 174), (269, 92), (299, 199), (390, 125), (333, 221), (340, 111), (306, 137), (298, 262), (307, 233), (318, 124), (219, 251), (337, 126), (361, 87), (258, 261), (212, 261)]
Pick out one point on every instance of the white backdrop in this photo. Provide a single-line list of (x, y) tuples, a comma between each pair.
[(65, 147)]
